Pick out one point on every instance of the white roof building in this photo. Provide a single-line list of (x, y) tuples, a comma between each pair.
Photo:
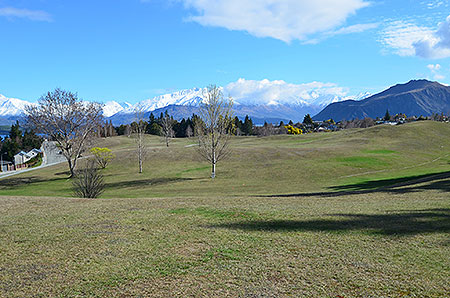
[(22, 157)]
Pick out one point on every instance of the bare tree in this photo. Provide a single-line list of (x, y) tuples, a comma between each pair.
[(167, 128), (69, 121), (189, 131), (128, 130), (88, 182), (213, 126), (138, 132)]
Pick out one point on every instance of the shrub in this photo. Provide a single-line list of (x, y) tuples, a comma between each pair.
[(102, 156), (88, 181), (292, 130)]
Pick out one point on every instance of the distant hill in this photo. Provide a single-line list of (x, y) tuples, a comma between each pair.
[(415, 98)]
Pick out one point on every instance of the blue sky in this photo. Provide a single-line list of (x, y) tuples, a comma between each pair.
[(130, 50)]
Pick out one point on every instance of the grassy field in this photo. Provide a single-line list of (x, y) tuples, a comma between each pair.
[(357, 213), (279, 165)]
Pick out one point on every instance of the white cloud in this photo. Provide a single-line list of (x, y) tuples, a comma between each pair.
[(435, 4), (434, 67), (358, 28), (280, 92), (286, 20), (34, 15), (400, 36), (408, 39)]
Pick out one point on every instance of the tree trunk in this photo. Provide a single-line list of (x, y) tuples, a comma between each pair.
[(71, 168), (213, 164), (213, 156), (213, 170), (140, 153)]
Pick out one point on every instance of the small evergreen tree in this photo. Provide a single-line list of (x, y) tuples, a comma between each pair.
[(307, 120), (154, 129), (30, 141), (247, 127), (15, 133), (387, 116), (152, 119), (11, 148)]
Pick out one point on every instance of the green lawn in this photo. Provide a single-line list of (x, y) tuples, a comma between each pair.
[(275, 165), (357, 213)]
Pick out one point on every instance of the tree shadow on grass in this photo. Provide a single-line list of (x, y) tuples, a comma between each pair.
[(145, 182), (400, 223), (63, 173), (17, 182), (409, 184)]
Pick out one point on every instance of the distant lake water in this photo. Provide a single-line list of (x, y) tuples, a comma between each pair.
[(3, 136)]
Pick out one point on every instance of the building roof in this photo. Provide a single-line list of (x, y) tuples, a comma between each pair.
[(23, 153)]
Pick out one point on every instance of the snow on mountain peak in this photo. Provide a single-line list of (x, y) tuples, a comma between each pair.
[(244, 92), (252, 93), (188, 97), (113, 107), (12, 106)]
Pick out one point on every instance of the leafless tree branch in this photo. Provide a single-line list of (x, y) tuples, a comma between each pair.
[(212, 127), (69, 121)]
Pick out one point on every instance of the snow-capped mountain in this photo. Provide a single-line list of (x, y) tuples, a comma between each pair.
[(262, 105), (189, 97), (193, 97), (12, 106), (113, 107), (264, 100)]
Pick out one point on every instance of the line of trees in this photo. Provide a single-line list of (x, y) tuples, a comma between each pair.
[(167, 127)]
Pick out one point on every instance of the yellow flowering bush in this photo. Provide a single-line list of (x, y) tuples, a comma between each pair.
[(293, 130), (102, 156)]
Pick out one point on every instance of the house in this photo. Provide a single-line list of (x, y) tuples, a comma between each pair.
[(22, 157), (33, 153)]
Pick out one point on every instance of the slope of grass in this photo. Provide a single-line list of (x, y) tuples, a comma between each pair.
[(357, 213), (260, 166)]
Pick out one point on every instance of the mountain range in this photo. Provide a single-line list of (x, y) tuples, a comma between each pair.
[(415, 98), (11, 109), (184, 103)]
